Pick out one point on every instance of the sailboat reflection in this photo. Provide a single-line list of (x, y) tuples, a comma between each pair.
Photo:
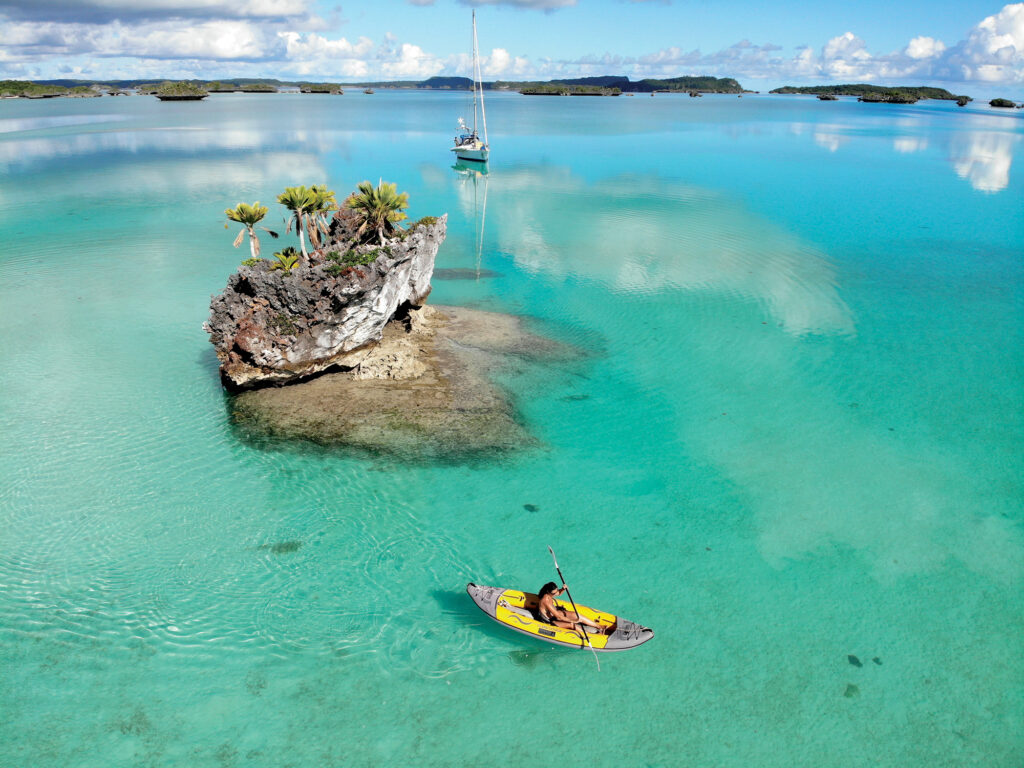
[(475, 175)]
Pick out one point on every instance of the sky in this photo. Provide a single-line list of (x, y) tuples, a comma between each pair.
[(950, 43)]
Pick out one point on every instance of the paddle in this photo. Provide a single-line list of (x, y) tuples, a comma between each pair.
[(576, 610)]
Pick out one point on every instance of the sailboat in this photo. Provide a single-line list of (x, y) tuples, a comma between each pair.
[(467, 144)]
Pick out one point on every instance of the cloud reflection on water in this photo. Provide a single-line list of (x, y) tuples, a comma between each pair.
[(174, 166), (42, 122), (816, 474), (906, 145), (983, 156), (641, 234), (33, 153), (984, 159)]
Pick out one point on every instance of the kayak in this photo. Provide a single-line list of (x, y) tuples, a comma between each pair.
[(517, 610)]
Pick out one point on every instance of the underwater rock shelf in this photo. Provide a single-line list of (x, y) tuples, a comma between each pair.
[(423, 391)]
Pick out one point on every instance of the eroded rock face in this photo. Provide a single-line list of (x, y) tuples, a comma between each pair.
[(273, 327)]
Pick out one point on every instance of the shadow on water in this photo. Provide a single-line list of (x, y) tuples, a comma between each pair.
[(457, 603), (208, 362), (464, 273), (522, 650)]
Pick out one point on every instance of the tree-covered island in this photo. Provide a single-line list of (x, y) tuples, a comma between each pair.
[(613, 85), (607, 85), (218, 87), (559, 89), (328, 88), (876, 93), (29, 90), (180, 92)]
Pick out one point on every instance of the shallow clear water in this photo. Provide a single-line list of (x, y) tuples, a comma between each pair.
[(795, 437)]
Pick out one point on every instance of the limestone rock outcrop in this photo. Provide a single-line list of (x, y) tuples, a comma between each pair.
[(271, 326)]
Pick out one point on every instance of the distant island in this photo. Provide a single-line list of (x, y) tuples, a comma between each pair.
[(330, 88), (613, 85), (218, 87), (877, 93), (10, 89), (608, 85), (180, 92), (167, 91), (559, 89)]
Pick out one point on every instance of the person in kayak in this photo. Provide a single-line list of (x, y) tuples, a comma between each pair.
[(551, 613)]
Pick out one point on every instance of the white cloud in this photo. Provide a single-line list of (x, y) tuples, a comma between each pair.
[(924, 48), (500, 64), (317, 56), (210, 40), (994, 49), (102, 11), (846, 46), (221, 39), (283, 38), (316, 47), (542, 5), (409, 61)]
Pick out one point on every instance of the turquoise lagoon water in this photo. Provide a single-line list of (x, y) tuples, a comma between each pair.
[(795, 438)]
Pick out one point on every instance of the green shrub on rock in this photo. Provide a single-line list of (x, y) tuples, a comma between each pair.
[(286, 260), (341, 264)]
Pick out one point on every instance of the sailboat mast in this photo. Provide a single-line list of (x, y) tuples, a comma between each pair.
[(474, 72), (480, 80)]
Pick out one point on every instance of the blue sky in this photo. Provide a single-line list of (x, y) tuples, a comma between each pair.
[(761, 44)]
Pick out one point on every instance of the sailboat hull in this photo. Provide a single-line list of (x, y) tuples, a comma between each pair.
[(477, 154)]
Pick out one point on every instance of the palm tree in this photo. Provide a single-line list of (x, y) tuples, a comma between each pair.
[(249, 216), (322, 202), (298, 200), (379, 208)]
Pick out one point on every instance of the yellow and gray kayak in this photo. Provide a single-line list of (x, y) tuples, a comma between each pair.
[(518, 610)]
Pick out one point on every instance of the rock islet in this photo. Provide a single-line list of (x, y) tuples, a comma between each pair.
[(272, 326), (352, 356)]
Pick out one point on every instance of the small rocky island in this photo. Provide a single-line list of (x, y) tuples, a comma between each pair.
[(878, 94), (181, 91), (335, 345)]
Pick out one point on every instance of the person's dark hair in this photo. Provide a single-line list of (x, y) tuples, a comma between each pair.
[(547, 588)]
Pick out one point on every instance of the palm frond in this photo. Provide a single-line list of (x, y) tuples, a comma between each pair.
[(379, 208), (246, 214)]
